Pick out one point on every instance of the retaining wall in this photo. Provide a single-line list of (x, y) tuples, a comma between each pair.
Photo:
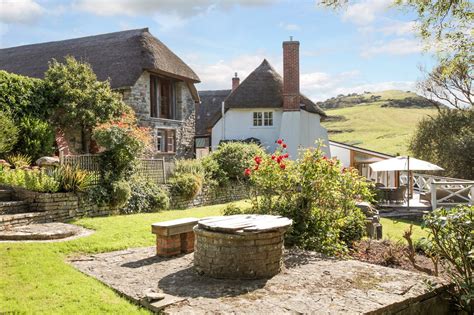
[(211, 196)]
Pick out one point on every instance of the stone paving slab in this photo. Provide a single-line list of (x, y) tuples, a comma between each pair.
[(44, 232), (309, 284)]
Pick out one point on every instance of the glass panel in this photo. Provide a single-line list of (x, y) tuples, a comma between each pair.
[(268, 118), (160, 142), (257, 118)]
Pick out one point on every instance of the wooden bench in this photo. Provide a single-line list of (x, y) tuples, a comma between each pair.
[(174, 237)]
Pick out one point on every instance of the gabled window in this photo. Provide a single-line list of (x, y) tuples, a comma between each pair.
[(262, 119), (162, 97)]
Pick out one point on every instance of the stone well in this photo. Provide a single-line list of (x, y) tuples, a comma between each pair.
[(247, 253)]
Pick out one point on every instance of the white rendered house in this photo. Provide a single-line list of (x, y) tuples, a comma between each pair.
[(267, 107)]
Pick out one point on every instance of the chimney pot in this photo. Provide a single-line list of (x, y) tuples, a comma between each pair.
[(235, 82), (291, 75)]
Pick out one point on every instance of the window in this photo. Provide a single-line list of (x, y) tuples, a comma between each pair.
[(162, 98), (165, 141), (268, 118), (170, 140), (160, 141), (262, 119)]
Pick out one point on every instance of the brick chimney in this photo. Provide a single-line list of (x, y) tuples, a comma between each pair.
[(235, 82), (291, 75)]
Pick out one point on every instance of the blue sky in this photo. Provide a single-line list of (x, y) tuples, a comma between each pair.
[(366, 46)]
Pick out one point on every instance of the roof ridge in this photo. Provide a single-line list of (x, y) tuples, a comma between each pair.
[(137, 31)]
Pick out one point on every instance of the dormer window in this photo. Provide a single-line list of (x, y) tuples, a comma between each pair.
[(162, 98), (262, 119)]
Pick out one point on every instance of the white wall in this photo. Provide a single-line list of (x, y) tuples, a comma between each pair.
[(299, 129), (342, 154), (311, 131), (239, 126)]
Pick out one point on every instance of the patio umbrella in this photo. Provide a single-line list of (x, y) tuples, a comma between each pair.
[(404, 163)]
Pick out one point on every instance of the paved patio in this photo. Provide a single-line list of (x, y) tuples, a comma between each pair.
[(309, 283)]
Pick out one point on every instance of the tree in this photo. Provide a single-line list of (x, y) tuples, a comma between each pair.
[(81, 100), (8, 133), (447, 139), (451, 83)]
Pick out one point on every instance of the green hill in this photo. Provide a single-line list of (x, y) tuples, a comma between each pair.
[(390, 98), (374, 125)]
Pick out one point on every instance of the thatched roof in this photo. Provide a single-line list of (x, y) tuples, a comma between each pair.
[(120, 56), (263, 89), (208, 111)]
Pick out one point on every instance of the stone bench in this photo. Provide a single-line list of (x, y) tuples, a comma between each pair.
[(174, 237)]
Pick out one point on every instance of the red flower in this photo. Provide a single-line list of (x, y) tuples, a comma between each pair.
[(284, 145), (279, 141), (325, 158), (286, 155), (279, 158), (273, 157), (282, 166), (257, 160), (247, 172), (256, 167)]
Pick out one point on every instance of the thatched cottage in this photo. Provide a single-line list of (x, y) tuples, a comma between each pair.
[(153, 80), (263, 108)]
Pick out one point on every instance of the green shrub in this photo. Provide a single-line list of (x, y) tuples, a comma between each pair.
[(72, 178), (186, 185), (19, 160), (23, 96), (213, 174), (35, 180), (145, 197), (8, 133), (316, 193), (120, 193), (234, 157), (36, 137), (452, 239), (190, 166), (232, 209)]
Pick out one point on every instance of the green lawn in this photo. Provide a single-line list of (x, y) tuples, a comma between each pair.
[(383, 129), (34, 277), (394, 228)]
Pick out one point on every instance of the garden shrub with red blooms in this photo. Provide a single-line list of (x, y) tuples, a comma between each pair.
[(316, 193)]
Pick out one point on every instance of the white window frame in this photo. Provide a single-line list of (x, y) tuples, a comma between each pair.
[(262, 119)]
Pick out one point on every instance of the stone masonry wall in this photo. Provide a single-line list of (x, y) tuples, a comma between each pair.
[(238, 256), (211, 196), (138, 97), (55, 207)]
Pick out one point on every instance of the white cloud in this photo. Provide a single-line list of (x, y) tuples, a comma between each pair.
[(289, 26), (19, 11), (219, 75), (400, 28), (365, 12), (399, 46), (149, 7)]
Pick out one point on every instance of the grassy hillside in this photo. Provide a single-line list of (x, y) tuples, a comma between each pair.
[(383, 129), (390, 98)]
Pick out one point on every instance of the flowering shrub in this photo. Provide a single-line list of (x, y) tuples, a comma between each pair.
[(123, 142), (233, 157), (452, 238), (316, 193)]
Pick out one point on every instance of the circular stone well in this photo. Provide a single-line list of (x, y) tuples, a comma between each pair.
[(233, 251)]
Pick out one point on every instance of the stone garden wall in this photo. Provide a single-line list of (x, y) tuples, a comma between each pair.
[(57, 207), (211, 196)]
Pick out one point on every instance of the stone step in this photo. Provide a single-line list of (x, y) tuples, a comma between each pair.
[(11, 220), (13, 207), (5, 195)]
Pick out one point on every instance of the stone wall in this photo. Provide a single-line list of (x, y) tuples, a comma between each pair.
[(211, 196), (54, 207), (238, 256), (138, 97)]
